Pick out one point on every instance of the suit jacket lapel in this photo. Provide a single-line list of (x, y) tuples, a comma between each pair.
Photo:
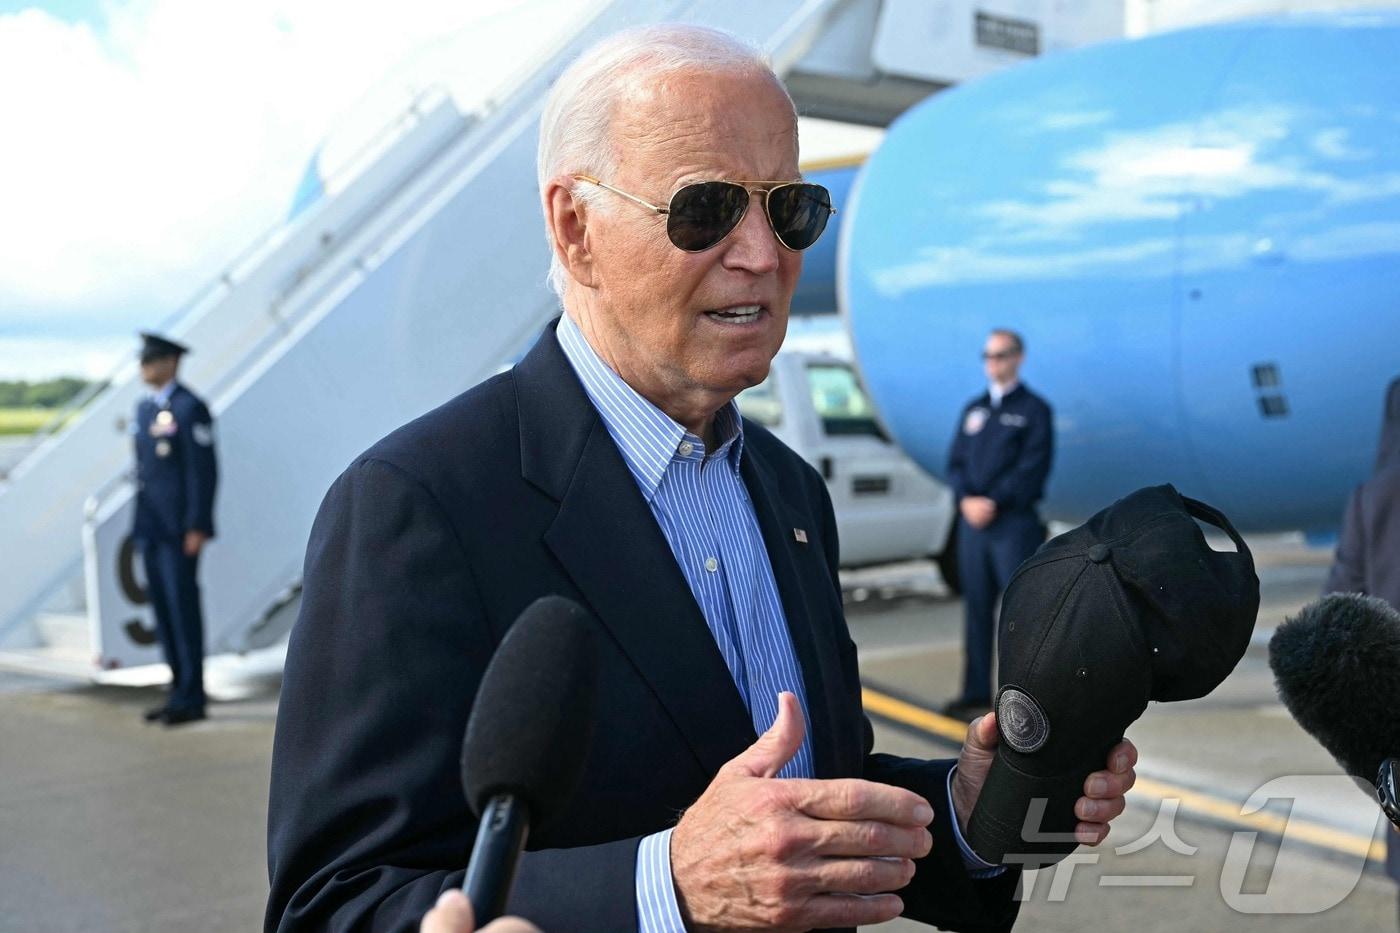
[(775, 521), (610, 545)]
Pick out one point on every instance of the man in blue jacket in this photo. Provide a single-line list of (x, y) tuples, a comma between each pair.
[(175, 478), (1368, 548), (997, 468)]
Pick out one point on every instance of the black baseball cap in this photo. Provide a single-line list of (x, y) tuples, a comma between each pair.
[(156, 347), (1131, 606)]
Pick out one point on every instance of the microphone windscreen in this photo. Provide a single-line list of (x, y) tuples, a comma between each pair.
[(1337, 668), (532, 721)]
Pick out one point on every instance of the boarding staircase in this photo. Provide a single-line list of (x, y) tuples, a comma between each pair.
[(422, 276)]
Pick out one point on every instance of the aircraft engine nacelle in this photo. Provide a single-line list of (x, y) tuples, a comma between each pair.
[(1198, 233)]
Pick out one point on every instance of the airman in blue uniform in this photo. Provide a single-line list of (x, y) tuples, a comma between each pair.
[(176, 474), (997, 467)]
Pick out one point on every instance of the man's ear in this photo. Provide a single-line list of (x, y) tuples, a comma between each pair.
[(567, 218)]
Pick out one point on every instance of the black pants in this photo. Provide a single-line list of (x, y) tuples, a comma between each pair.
[(987, 557), (174, 593)]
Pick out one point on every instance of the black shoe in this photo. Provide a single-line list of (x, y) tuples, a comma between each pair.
[(966, 710), (155, 713), (178, 717)]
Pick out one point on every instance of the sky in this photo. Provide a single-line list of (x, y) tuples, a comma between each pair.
[(149, 142)]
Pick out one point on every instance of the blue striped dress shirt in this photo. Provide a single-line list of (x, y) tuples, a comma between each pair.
[(700, 503)]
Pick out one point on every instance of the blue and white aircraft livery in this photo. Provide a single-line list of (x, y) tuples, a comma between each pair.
[(1204, 260)]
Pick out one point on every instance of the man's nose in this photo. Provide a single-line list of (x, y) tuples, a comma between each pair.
[(752, 246)]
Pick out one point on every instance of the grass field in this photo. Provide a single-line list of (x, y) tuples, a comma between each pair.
[(23, 420)]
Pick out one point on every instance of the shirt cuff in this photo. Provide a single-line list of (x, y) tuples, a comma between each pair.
[(976, 866), (657, 909)]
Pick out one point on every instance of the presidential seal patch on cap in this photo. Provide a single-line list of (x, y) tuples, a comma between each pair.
[(1023, 723)]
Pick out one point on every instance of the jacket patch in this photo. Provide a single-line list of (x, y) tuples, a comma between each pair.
[(975, 421)]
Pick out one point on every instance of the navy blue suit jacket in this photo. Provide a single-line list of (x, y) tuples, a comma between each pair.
[(1003, 453), (176, 471), (424, 552)]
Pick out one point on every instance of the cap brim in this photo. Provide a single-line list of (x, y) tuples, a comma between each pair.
[(1023, 819)]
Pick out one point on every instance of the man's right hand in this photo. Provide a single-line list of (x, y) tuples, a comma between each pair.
[(758, 853), (979, 511)]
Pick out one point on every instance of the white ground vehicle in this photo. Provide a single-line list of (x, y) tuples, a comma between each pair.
[(887, 508)]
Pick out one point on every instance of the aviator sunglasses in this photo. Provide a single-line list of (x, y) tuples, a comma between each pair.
[(699, 215)]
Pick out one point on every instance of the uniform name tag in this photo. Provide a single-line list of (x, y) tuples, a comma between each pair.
[(1013, 421)]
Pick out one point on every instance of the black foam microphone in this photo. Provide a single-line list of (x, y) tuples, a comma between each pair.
[(529, 731), (1337, 669)]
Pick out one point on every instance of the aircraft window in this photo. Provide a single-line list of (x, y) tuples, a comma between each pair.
[(1266, 376), (841, 403), (760, 404), (1273, 406)]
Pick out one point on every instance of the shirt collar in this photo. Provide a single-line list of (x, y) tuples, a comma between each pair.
[(999, 392), (162, 395), (647, 437)]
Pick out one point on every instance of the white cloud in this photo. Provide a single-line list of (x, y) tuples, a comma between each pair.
[(982, 263), (1142, 175), (33, 358), (143, 153), (1072, 119)]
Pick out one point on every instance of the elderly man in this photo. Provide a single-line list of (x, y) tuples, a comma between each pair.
[(731, 783)]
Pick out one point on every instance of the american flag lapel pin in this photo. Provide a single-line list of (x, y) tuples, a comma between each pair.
[(800, 534)]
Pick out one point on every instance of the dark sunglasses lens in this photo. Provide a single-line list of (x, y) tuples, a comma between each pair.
[(799, 214), (703, 214)]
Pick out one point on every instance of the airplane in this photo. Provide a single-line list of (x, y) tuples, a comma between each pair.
[(1203, 261), (1195, 231)]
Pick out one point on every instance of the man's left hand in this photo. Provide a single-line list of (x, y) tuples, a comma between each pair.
[(1103, 796), (194, 541)]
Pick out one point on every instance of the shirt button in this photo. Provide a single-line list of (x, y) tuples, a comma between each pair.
[(711, 564), (686, 448)]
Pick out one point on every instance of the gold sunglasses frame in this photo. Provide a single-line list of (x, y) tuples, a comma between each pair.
[(752, 187)]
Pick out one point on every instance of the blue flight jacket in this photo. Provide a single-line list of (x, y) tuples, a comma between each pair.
[(176, 470), (1003, 453)]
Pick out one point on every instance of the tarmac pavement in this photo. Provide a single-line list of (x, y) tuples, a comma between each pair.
[(110, 824)]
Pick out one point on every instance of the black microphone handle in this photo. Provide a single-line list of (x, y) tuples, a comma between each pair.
[(504, 826)]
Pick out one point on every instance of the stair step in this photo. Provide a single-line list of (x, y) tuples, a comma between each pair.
[(65, 632), (50, 661)]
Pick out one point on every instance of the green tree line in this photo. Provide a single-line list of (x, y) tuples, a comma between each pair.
[(51, 393)]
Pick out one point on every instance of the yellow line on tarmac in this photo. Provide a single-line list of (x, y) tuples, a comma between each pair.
[(926, 720)]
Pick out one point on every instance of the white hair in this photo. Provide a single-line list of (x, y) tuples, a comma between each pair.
[(576, 125)]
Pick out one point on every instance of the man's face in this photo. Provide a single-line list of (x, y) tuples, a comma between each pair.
[(1001, 359), (156, 373), (654, 308)]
